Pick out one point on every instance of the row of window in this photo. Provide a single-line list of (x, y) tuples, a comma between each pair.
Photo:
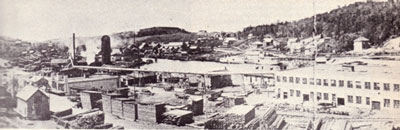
[(339, 83), (350, 98)]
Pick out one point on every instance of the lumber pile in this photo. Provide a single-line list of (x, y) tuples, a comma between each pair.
[(130, 110), (197, 106), (117, 106), (150, 112), (230, 101), (88, 121), (103, 126), (56, 115), (178, 117), (89, 99), (106, 101)]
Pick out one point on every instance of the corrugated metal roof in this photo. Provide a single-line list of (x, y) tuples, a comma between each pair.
[(27, 92)]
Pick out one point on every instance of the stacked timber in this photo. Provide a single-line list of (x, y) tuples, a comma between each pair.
[(117, 106), (238, 116), (150, 112), (89, 99), (178, 117), (88, 120), (214, 123), (130, 110), (103, 126), (56, 115), (197, 106), (230, 101), (106, 101)]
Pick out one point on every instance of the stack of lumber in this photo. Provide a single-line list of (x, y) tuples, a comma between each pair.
[(233, 121), (88, 121), (197, 106), (57, 115), (89, 99), (230, 101), (117, 106), (178, 117), (103, 126), (117, 128), (214, 123), (150, 112), (130, 110), (279, 123), (106, 101)]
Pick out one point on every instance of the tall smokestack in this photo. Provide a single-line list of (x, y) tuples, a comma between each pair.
[(73, 46), (106, 49)]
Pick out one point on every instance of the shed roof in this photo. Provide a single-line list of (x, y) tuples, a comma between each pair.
[(27, 92)]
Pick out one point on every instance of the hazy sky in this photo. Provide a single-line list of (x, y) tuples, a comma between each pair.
[(38, 20)]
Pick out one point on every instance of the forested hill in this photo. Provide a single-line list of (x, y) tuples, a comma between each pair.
[(376, 21)]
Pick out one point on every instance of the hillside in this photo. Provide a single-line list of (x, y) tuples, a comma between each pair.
[(10, 47), (376, 21)]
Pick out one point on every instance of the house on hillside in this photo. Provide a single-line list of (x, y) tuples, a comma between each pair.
[(33, 103), (256, 44), (175, 45), (229, 40), (250, 36), (360, 44), (268, 41)]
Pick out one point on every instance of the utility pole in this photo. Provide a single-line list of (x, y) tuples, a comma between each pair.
[(315, 62)]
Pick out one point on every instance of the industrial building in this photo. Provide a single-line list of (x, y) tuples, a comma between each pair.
[(72, 86), (369, 85)]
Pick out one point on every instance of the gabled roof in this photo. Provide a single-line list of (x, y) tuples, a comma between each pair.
[(28, 91), (361, 39)]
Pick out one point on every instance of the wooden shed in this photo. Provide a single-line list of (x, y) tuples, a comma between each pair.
[(33, 103)]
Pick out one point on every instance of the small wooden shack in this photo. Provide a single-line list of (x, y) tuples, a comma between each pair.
[(33, 103)]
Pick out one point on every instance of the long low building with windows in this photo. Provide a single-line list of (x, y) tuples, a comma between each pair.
[(357, 84)]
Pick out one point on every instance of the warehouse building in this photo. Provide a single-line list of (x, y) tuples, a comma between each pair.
[(372, 86), (73, 86)]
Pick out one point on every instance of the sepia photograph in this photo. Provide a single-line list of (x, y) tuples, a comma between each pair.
[(200, 64)]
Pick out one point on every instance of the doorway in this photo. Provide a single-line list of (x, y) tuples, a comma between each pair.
[(340, 101), (376, 105)]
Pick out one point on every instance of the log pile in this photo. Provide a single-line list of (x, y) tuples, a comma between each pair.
[(178, 117)]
